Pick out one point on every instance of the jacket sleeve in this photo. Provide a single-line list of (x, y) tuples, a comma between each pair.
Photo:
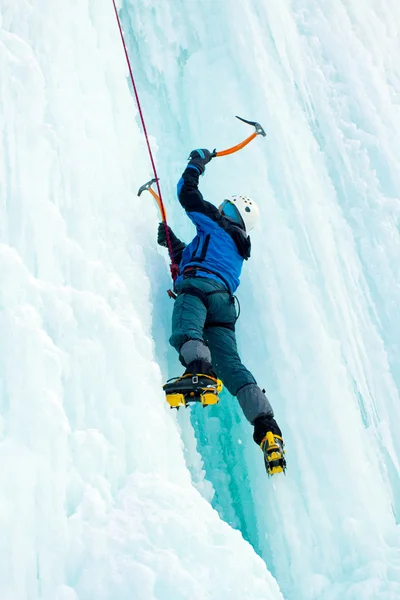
[(191, 198)]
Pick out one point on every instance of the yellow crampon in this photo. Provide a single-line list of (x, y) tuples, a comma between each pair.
[(205, 395), (175, 400), (272, 447)]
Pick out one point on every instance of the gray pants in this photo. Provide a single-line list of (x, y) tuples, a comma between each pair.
[(198, 331)]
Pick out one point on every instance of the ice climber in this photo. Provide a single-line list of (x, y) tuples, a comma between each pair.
[(204, 315)]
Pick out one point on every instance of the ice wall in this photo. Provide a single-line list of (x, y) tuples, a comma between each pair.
[(320, 320), (103, 492), (96, 500)]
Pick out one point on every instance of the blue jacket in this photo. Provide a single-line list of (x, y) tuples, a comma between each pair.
[(220, 246)]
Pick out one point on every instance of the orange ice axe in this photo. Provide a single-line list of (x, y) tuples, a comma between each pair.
[(147, 186), (259, 130)]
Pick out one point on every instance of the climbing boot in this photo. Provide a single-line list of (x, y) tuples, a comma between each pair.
[(198, 384), (274, 454), (268, 436)]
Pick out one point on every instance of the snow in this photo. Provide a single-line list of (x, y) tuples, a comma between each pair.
[(104, 492)]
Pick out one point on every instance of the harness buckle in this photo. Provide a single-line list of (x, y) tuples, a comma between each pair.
[(195, 380)]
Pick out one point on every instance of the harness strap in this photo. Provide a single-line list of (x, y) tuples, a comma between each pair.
[(190, 290), (195, 271), (230, 326), (220, 292)]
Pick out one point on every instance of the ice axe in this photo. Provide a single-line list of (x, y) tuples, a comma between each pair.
[(259, 130), (147, 187), (173, 266)]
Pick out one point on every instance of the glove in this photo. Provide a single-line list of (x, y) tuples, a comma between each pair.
[(162, 236), (202, 153), (176, 245), (200, 157)]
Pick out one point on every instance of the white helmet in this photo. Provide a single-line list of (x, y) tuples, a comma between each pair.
[(242, 210)]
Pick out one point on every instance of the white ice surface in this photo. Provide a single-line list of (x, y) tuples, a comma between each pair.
[(96, 500), (103, 492)]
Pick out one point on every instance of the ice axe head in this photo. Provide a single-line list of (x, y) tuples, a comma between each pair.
[(259, 129), (146, 186)]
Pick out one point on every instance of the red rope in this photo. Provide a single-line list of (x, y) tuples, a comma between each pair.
[(174, 267)]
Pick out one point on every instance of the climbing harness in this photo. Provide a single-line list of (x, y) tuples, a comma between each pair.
[(191, 290)]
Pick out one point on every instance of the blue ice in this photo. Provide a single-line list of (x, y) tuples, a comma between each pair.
[(104, 492)]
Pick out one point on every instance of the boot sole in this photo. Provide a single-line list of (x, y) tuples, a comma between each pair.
[(181, 393)]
